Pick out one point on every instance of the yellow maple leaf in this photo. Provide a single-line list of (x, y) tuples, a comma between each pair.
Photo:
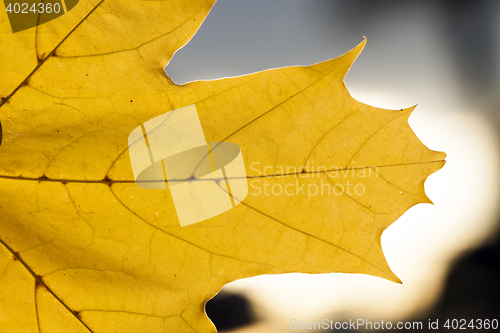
[(84, 248)]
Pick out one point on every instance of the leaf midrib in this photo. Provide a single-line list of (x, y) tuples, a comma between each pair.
[(291, 174)]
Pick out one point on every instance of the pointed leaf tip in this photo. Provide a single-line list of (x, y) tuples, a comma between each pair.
[(347, 59)]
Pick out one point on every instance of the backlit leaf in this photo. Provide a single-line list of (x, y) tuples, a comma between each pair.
[(85, 249)]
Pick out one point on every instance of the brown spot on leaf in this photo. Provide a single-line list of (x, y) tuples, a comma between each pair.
[(39, 282), (77, 314)]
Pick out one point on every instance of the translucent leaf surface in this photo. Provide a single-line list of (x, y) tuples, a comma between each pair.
[(83, 248)]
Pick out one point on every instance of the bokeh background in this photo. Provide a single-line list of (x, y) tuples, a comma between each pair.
[(443, 55)]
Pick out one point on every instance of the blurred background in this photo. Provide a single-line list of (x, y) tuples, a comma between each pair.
[(443, 55)]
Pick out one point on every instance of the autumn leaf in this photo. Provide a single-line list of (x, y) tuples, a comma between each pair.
[(85, 249)]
